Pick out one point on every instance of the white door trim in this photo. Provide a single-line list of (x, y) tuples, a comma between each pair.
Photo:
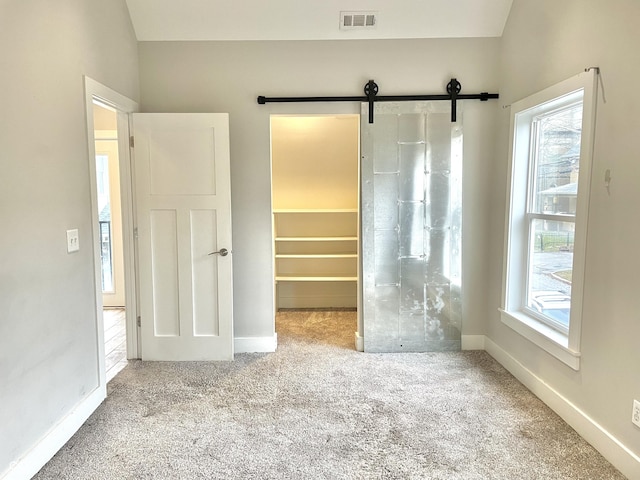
[(124, 107)]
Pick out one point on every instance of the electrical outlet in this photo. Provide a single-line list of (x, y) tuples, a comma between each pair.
[(635, 415)]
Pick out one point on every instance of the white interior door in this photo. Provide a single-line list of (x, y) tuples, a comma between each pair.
[(182, 176)]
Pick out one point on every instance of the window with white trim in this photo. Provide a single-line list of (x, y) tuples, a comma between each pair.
[(550, 171)]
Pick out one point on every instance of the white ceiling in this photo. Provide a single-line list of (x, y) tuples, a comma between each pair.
[(314, 19)]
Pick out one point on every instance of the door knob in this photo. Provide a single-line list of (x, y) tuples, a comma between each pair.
[(223, 252)]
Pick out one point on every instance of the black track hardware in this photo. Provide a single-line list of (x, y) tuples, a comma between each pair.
[(454, 87)]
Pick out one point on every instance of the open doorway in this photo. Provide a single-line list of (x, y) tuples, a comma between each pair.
[(105, 129), (113, 227), (315, 207)]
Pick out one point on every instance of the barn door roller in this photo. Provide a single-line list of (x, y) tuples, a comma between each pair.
[(454, 87)]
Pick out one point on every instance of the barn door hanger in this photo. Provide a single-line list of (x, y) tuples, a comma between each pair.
[(454, 87)]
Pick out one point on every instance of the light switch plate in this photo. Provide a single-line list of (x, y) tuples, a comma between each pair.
[(73, 241), (635, 415)]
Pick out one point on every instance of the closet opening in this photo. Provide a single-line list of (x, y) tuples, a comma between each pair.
[(315, 210)]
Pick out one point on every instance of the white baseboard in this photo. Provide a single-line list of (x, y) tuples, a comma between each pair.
[(359, 343), (473, 342), (32, 461), (255, 344), (610, 447)]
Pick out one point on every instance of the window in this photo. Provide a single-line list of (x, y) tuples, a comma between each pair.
[(104, 218), (552, 138)]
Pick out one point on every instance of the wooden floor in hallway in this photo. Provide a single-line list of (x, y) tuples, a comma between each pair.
[(115, 341)]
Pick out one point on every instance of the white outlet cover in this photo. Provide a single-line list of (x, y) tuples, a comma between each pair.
[(73, 241)]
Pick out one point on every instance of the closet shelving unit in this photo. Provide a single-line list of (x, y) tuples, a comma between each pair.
[(316, 257), (316, 245)]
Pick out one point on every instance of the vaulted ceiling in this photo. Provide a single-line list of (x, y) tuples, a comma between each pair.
[(162, 20)]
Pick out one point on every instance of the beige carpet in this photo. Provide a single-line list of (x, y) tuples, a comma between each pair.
[(316, 409)]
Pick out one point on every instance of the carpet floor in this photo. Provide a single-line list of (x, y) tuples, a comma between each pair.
[(317, 409)]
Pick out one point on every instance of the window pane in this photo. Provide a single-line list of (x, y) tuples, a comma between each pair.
[(549, 271), (104, 216), (557, 154)]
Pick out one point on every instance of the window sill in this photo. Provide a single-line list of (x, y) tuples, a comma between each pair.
[(545, 337)]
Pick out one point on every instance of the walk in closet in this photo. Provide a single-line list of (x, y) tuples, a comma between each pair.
[(314, 161)]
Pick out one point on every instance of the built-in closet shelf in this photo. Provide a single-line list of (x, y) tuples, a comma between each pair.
[(319, 255), (315, 210), (295, 278), (319, 246), (316, 239)]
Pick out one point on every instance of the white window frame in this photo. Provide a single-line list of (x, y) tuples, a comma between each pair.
[(514, 312)]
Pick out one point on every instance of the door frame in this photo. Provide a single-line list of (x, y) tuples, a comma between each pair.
[(124, 107)]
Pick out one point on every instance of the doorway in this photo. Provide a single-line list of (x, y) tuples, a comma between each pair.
[(113, 235), (315, 208), (105, 124)]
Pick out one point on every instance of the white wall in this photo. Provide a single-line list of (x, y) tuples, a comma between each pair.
[(48, 356), (544, 42), (227, 77), (315, 161)]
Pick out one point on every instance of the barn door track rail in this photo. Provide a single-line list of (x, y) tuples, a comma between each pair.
[(454, 87)]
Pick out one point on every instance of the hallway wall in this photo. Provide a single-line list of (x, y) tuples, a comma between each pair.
[(48, 335)]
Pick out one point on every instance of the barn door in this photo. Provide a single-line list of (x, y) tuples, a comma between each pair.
[(411, 227)]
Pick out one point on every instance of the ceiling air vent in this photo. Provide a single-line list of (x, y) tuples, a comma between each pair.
[(357, 20)]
